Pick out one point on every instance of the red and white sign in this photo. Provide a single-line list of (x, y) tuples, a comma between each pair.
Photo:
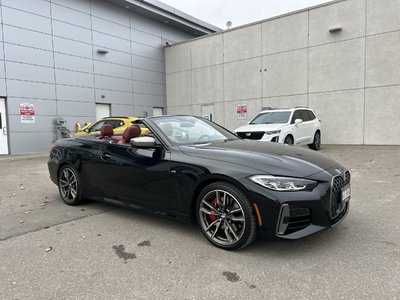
[(27, 113), (241, 111)]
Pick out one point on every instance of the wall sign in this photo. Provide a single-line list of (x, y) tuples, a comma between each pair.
[(241, 111), (27, 113)]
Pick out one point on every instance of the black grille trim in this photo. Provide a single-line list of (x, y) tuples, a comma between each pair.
[(340, 215), (254, 135), (300, 218), (336, 207)]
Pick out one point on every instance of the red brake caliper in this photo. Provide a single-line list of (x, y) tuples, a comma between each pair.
[(214, 203)]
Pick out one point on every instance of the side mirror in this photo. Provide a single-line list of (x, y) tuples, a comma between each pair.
[(86, 130), (144, 142), (298, 121)]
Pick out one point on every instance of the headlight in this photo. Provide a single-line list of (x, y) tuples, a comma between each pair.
[(273, 132), (284, 183)]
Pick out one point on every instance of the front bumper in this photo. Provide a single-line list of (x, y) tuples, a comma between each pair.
[(293, 215), (259, 136), (274, 138), (294, 227)]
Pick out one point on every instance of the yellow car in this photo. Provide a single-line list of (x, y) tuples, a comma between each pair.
[(118, 123)]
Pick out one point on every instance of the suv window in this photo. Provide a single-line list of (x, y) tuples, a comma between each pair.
[(296, 115), (311, 114), (304, 115)]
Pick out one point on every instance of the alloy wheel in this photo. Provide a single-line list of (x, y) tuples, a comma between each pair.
[(68, 185), (317, 140), (222, 217)]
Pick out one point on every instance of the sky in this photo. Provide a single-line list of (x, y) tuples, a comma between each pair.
[(239, 12)]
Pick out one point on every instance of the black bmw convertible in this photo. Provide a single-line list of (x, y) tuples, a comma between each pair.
[(194, 170)]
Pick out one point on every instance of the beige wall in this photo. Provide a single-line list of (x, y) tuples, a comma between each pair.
[(350, 78)]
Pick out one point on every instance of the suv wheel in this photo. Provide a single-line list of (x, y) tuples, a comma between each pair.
[(288, 140), (316, 144)]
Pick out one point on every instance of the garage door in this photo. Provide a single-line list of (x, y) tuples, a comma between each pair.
[(102, 110)]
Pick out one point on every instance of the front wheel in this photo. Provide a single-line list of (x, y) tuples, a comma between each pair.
[(69, 185), (316, 144), (288, 140), (225, 216)]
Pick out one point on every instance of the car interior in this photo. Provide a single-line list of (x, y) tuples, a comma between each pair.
[(107, 134)]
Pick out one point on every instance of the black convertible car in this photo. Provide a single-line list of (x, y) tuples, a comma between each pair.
[(194, 170)]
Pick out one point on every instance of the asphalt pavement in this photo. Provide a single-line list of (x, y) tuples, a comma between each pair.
[(49, 250)]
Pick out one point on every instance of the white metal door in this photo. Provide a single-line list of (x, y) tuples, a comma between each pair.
[(102, 111), (3, 127), (157, 111)]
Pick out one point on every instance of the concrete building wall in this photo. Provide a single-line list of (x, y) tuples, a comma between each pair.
[(48, 57), (351, 78)]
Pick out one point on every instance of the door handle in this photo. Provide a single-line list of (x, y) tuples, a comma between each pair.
[(5, 130), (105, 156)]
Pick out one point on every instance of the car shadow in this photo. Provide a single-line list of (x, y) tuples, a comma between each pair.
[(318, 243)]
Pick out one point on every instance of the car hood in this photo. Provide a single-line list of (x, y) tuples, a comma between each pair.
[(266, 158), (259, 127)]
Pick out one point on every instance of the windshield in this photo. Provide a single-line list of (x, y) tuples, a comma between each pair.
[(114, 123), (188, 130), (272, 117)]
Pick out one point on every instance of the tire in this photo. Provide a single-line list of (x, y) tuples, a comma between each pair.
[(288, 140), (316, 144), (69, 185), (225, 216)]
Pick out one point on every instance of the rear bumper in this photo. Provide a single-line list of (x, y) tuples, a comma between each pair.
[(52, 166)]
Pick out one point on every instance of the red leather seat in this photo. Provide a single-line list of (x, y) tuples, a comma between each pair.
[(106, 131), (130, 133), (138, 127), (107, 134)]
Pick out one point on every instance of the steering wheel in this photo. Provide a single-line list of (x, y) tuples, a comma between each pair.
[(182, 135)]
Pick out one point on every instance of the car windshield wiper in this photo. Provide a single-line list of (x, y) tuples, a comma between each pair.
[(199, 143)]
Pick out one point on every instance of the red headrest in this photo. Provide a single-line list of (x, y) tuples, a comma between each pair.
[(138, 127), (107, 130), (130, 133)]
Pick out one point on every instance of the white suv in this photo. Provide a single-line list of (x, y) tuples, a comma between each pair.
[(296, 126)]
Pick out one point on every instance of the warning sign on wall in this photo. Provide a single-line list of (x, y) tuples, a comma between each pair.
[(241, 111), (27, 113)]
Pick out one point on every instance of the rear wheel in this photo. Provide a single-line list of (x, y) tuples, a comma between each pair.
[(225, 216), (288, 140), (316, 144), (69, 185)]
